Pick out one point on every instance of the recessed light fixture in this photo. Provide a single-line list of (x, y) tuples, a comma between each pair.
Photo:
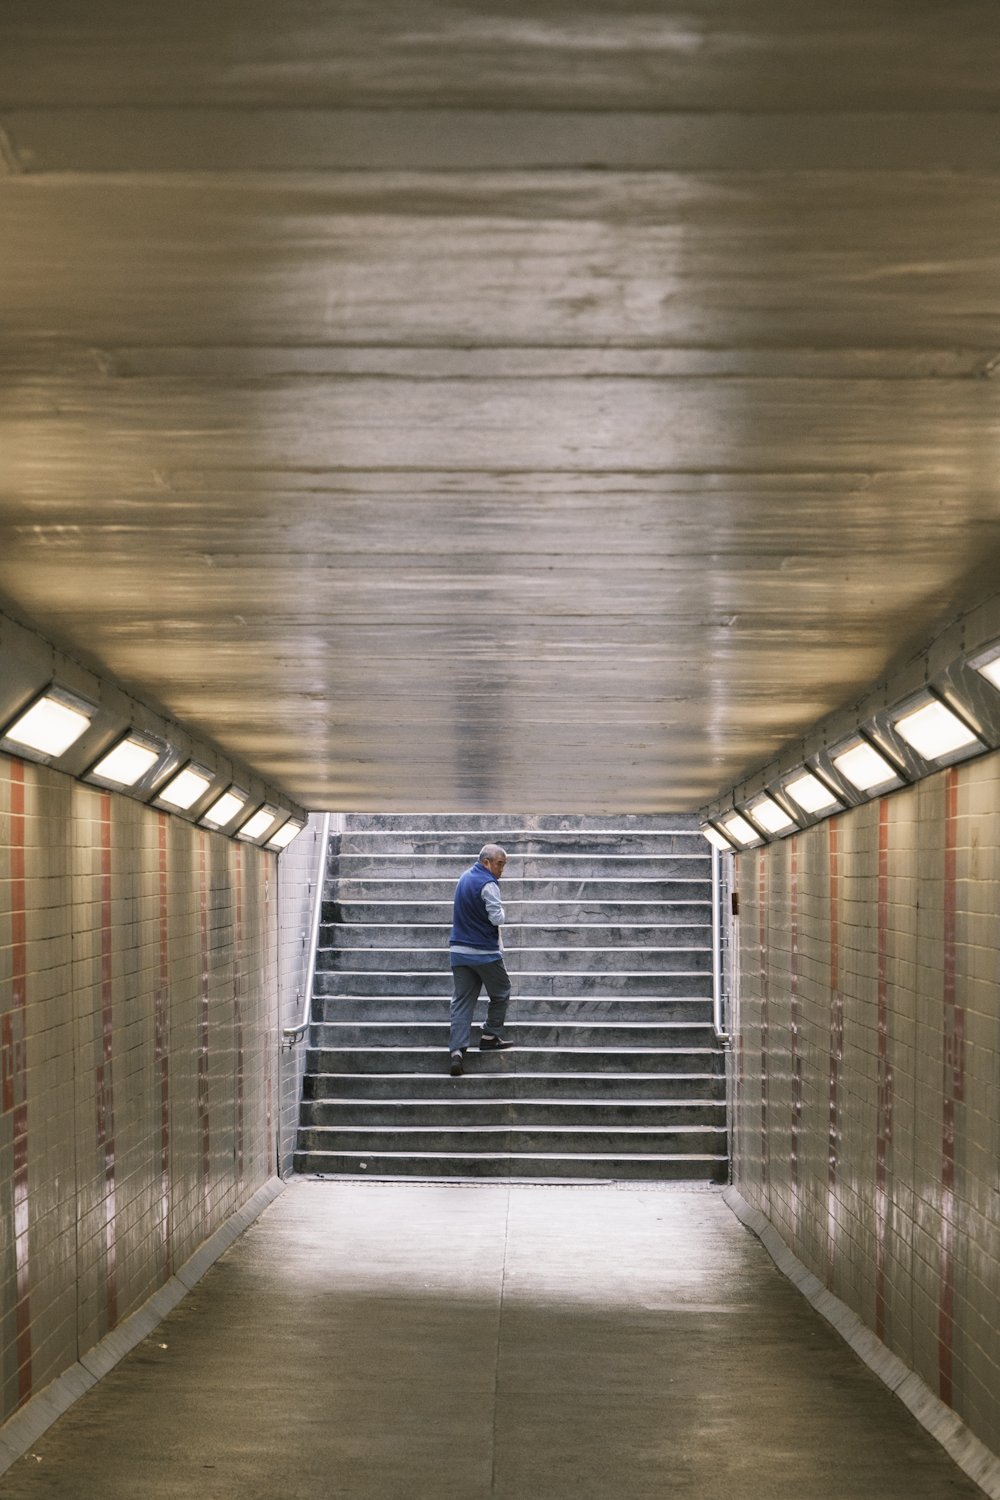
[(127, 763), (810, 793), (987, 664), (770, 815), (864, 767), (934, 731), (225, 809), (712, 834), (739, 830), (258, 824), (52, 724), (284, 836), (186, 787)]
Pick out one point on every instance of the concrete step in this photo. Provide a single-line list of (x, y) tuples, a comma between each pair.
[(503, 1164), (608, 888), (563, 1034), (523, 842), (575, 985), (693, 865), (522, 1060), (529, 1139), (582, 960), (528, 937), (405, 1009), (519, 1113), (571, 914), (492, 825), (505, 1086)]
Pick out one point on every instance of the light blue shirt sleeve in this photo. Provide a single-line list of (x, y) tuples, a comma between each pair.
[(494, 906)]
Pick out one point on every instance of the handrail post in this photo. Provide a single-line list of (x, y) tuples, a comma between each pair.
[(721, 1033), (295, 1033)]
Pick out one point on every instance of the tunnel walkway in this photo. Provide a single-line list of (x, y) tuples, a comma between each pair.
[(440, 1341)]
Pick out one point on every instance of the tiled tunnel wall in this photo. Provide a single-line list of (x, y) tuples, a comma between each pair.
[(140, 1062), (867, 1065)]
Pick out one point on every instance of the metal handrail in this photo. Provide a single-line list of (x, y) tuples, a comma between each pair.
[(721, 1033), (295, 1033)]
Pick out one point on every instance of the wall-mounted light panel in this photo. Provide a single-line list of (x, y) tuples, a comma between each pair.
[(255, 827), (740, 832), (187, 788), (771, 816), (225, 809), (987, 664), (134, 764), (935, 731), (867, 770), (971, 685), (811, 795), (284, 836), (716, 840), (49, 726)]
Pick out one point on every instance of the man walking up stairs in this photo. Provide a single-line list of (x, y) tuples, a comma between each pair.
[(476, 949), (615, 1072)]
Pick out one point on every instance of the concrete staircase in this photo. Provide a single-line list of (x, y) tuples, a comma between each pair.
[(616, 1072)]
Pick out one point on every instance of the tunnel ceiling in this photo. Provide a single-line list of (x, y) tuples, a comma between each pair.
[(527, 405)]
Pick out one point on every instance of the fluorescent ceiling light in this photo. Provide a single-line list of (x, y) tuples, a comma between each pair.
[(712, 834), (49, 727), (185, 788), (810, 793), (224, 811), (864, 768), (284, 836), (740, 830), (258, 823), (772, 817), (991, 671), (127, 763), (934, 731)]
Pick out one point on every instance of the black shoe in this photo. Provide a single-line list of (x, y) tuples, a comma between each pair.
[(493, 1043), (456, 1065)]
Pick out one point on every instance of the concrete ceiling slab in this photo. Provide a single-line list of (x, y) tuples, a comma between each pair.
[(559, 488)]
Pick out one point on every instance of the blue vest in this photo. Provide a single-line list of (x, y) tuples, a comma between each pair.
[(471, 926)]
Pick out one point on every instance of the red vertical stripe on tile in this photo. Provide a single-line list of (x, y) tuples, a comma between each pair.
[(238, 1011), (762, 924), (884, 1119), (163, 1050), (203, 1112), (796, 1059), (836, 1052), (15, 1075), (105, 1079), (953, 1089)]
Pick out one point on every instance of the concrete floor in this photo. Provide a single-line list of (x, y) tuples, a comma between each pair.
[(414, 1340)]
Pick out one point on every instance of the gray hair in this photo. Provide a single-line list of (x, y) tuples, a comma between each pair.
[(492, 851)]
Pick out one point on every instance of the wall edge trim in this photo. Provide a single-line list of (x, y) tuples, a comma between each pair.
[(28, 1425), (971, 1455)]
